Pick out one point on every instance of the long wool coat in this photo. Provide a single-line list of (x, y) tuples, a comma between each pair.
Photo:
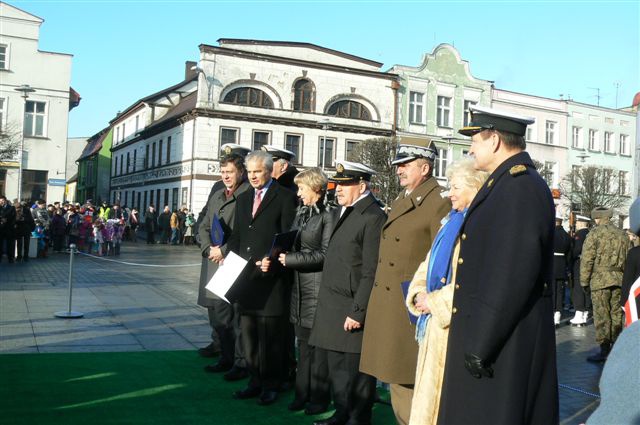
[(389, 349), (224, 208), (347, 276), (502, 310)]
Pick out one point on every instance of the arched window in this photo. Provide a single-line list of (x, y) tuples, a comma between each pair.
[(303, 95), (349, 109), (249, 96)]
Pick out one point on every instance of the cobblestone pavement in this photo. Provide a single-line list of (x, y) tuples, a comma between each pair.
[(135, 308)]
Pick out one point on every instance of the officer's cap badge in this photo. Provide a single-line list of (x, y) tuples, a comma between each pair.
[(227, 150), (340, 168), (516, 170)]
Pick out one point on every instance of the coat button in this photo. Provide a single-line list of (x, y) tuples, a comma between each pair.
[(375, 283), (464, 236), (248, 249), (454, 310), (397, 239), (391, 264), (460, 261), (250, 227), (457, 286), (388, 289)]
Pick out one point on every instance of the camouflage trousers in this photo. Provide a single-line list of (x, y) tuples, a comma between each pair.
[(607, 314)]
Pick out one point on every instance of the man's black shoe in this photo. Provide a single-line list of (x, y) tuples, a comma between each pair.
[(600, 357), (210, 350), (249, 392), (267, 398), (315, 409), (217, 368), (296, 405), (236, 374), (330, 421)]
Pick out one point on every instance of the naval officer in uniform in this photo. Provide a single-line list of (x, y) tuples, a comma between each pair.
[(501, 362)]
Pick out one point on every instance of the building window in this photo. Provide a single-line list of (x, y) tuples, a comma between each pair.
[(444, 111), (128, 162), (303, 96), (153, 155), (137, 122), (34, 185), (593, 140), (34, 118), (576, 137), (174, 199), (157, 204), (160, 153), (3, 56), (160, 205), (123, 130), (126, 198), (146, 157), (166, 197), (624, 144), (549, 173), (349, 109), (138, 206), (185, 195), (441, 162), (89, 178), (608, 142), (168, 150), (135, 159), (121, 163), (351, 146), (145, 204), (467, 112), (117, 134), (293, 142), (2, 114), (3, 181), (622, 183), (260, 139), (415, 107), (325, 145), (249, 96), (550, 134), (228, 135), (115, 166), (528, 137)]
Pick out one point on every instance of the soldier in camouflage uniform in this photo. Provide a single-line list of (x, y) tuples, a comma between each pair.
[(603, 259)]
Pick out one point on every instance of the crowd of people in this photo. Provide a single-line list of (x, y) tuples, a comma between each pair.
[(94, 229), (449, 297)]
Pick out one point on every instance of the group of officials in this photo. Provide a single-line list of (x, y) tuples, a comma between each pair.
[(500, 359)]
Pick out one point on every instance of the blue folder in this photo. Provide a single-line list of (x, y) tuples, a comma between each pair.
[(405, 290), (217, 234)]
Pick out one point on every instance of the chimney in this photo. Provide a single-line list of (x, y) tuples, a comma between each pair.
[(188, 72)]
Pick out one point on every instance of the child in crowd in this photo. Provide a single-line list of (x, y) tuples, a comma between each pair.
[(40, 235), (98, 239)]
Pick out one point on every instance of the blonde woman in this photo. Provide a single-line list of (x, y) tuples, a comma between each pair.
[(430, 294)]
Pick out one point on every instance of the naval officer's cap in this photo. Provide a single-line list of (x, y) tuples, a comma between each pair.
[(351, 172), (279, 153), (483, 118), (417, 149), (233, 149), (634, 217), (582, 218)]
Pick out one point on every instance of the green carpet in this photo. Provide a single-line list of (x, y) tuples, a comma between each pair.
[(167, 387)]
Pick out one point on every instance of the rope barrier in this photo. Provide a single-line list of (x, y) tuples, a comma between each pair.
[(139, 264), (578, 390)]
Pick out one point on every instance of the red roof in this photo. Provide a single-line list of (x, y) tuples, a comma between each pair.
[(636, 100)]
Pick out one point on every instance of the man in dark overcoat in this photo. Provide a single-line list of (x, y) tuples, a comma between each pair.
[(581, 300), (501, 358), (347, 278), (223, 317), (7, 229), (283, 170), (262, 211), (407, 235), (561, 261)]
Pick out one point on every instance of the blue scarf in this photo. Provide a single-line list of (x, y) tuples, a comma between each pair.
[(439, 268)]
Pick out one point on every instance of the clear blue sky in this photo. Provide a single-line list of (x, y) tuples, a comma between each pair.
[(125, 50)]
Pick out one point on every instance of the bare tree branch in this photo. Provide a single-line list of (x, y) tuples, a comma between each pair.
[(9, 142), (378, 153), (589, 187)]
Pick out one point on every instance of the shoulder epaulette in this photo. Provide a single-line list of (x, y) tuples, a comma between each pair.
[(517, 170)]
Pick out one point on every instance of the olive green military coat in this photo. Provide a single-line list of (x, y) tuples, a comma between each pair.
[(389, 349), (604, 255)]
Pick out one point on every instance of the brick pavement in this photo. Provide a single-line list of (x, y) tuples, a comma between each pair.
[(135, 308)]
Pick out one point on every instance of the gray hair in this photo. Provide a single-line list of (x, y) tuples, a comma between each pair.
[(464, 169), (264, 157)]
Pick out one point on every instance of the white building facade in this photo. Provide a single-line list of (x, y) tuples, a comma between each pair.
[(41, 118), (317, 102)]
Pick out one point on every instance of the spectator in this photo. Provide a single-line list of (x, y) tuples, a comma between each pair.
[(7, 229), (150, 224), (164, 225), (24, 226)]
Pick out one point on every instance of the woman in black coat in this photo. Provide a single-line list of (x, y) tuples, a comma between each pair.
[(150, 224), (314, 223)]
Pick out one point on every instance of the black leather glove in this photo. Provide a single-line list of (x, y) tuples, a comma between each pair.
[(476, 368)]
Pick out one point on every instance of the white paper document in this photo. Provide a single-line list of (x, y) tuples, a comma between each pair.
[(226, 275)]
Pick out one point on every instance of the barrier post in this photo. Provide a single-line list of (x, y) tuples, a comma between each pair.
[(70, 314)]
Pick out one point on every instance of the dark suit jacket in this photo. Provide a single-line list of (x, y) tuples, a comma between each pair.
[(347, 276), (501, 310), (263, 294)]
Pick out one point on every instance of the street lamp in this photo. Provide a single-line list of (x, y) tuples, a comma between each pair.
[(25, 89), (325, 126)]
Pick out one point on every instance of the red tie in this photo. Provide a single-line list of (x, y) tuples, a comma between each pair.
[(256, 202)]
